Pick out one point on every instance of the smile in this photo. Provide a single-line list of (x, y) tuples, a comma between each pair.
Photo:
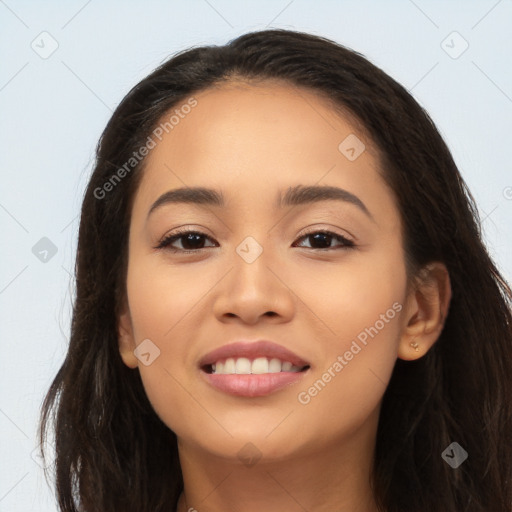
[(252, 369), (260, 365), (246, 378)]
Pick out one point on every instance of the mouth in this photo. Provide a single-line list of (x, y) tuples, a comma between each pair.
[(257, 366), (252, 369)]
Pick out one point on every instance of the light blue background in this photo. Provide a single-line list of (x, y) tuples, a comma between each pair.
[(53, 111)]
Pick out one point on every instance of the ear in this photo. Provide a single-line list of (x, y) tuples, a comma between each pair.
[(425, 312), (126, 338)]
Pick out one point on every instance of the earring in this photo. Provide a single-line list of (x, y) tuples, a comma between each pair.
[(415, 346)]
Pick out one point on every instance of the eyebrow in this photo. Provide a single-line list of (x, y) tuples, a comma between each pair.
[(298, 195)]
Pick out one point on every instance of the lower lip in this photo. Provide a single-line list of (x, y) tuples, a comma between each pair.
[(253, 385)]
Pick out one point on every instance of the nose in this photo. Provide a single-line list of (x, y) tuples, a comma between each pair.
[(253, 289)]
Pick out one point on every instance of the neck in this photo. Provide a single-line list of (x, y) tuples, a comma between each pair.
[(334, 476)]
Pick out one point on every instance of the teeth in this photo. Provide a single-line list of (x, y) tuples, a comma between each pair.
[(274, 366), (260, 365), (229, 366), (242, 366), (287, 366)]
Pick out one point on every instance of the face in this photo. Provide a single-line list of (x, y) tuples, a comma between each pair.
[(323, 278)]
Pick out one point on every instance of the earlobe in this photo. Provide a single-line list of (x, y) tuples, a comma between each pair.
[(426, 310), (126, 341)]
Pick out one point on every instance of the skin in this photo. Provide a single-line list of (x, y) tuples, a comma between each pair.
[(251, 141)]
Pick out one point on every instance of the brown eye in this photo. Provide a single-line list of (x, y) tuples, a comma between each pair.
[(191, 241), (324, 238)]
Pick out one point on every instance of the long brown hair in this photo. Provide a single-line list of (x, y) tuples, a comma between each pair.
[(112, 450)]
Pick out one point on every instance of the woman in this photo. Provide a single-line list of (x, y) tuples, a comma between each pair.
[(222, 358)]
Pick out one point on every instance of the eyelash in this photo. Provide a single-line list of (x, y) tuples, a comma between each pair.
[(165, 243)]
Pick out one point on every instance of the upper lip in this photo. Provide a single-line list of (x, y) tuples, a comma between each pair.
[(252, 350)]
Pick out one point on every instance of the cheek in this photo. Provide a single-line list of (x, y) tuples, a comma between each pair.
[(344, 298), (347, 387), (164, 304), (362, 312), (162, 296)]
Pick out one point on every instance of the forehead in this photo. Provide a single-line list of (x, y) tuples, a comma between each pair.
[(243, 117), (253, 140)]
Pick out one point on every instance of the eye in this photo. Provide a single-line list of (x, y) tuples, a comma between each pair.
[(193, 241), (324, 238)]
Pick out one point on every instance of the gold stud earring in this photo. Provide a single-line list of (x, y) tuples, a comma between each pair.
[(415, 346)]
